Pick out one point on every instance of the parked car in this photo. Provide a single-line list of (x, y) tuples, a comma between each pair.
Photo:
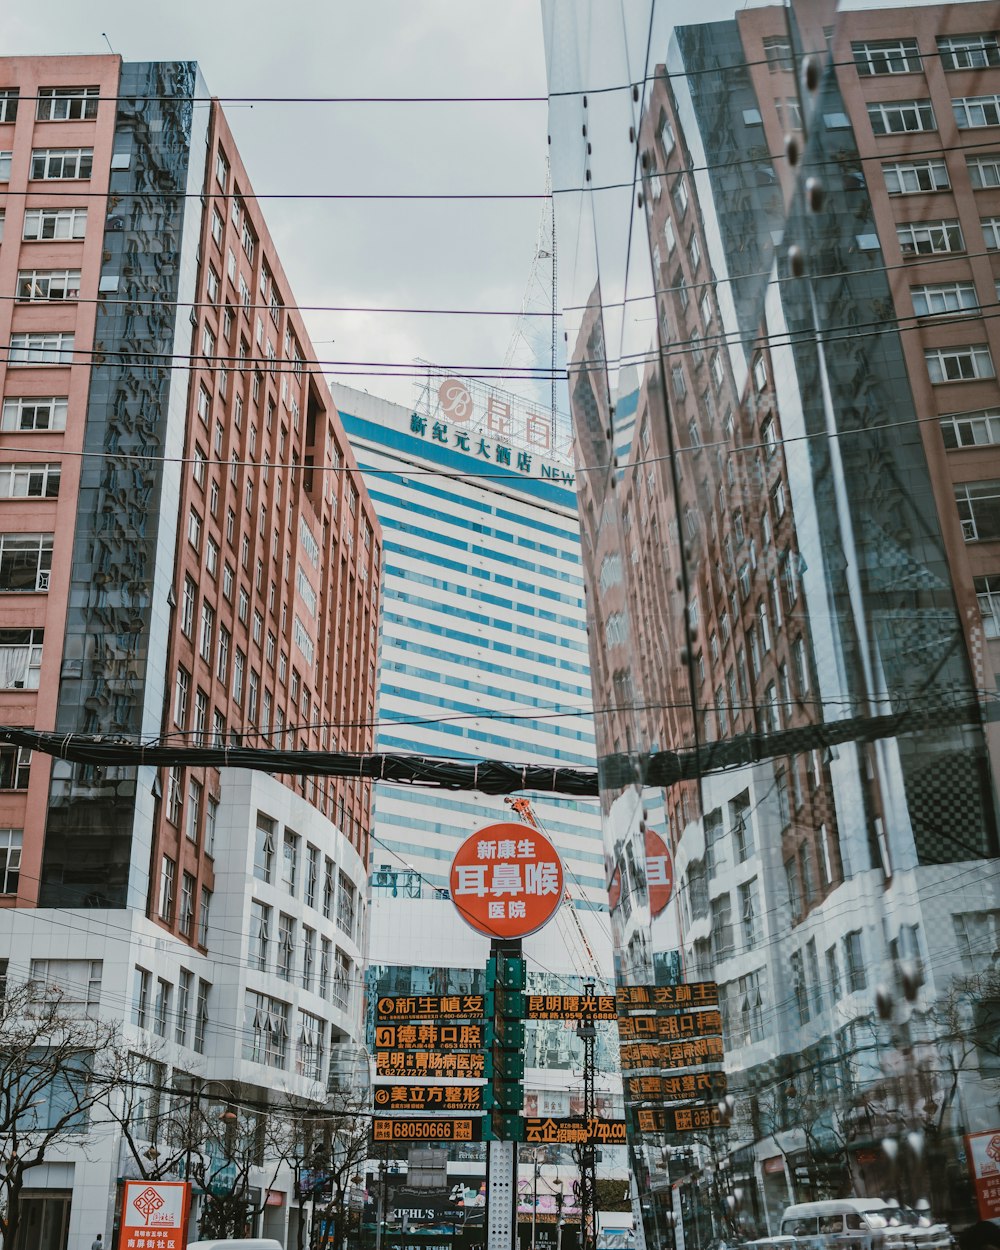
[(844, 1224), (921, 1231), (237, 1243)]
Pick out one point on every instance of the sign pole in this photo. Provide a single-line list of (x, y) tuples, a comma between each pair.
[(501, 1162)]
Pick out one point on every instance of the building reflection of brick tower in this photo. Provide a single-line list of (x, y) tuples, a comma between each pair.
[(794, 605)]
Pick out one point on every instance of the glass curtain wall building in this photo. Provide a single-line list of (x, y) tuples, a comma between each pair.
[(782, 334)]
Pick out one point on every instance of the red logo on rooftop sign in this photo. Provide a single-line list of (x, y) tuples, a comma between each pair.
[(507, 880)]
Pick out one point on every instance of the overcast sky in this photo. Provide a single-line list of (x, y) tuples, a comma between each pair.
[(458, 254)]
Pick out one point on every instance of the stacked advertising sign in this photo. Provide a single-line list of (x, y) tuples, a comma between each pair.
[(671, 1052), (439, 1036), (506, 882)]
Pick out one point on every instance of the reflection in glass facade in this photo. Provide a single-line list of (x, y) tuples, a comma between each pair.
[(781, 325), (116, 629)]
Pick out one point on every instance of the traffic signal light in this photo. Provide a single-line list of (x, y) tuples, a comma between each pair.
[(505, 982)]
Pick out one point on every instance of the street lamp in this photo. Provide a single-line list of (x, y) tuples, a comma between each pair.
[(557, 1185)]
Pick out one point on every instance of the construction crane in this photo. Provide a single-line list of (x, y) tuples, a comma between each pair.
[(589, 968), (585, 1153)]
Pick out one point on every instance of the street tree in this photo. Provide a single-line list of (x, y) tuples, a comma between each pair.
[(228, 1132), (57, 1064), (333, 1150)]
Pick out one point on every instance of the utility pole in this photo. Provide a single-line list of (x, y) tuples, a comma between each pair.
[(587, 1031), (507, 1094)]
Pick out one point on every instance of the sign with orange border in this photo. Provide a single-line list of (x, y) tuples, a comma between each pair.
[(507, 880), (983, 1152), (155, 1215)]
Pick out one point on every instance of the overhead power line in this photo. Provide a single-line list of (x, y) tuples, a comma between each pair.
[(663, 769)]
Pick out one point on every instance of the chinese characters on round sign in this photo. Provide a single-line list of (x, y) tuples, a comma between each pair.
[(507, 880)]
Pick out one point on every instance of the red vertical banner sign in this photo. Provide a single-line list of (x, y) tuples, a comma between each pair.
[(155, 1215), (983, 1151)]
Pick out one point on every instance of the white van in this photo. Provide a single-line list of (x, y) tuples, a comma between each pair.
[(237, 1243), (843, 1224)]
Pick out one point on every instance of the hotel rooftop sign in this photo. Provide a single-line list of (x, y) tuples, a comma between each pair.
[(493, 427)]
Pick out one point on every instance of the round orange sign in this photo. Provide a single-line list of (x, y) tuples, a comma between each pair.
[(659, 875), (507, 880)]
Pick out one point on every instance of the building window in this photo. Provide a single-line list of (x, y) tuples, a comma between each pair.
[(8, 104), (37, 480), (21, 658), (62, 163), (854, 962), (911, 177), (887, 56), (959, 364), (972, 112), (742, 829), (971, 429), (25, 562), (308, 956), (722, 927), (195, 792), (222, 659), (207, 636), (778, 53), (926, 238), (161, 1007), (168, 885), (340, 993), (988, 594), (10, 860), (184, 983), (309, 1054), (792, 883), (64, 104), (187, 607), (806, 875), (946, 297), (186, 922), (39, 348), (265, 846), (968, 51), (750, 913), (175, 796), (239, 669), (325, 962), (991, 232), (346, 901), (140, 999), (801, 662), (286, 946), (204, 915), (770, 712), (984, 171), (901, 116), (43, 224), (265, 1031), (39, 285), (667, 140), (182, 688), (290, 860), (211, 824), (260, 933), (979, 510), (201, 1016), (30, 414)]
